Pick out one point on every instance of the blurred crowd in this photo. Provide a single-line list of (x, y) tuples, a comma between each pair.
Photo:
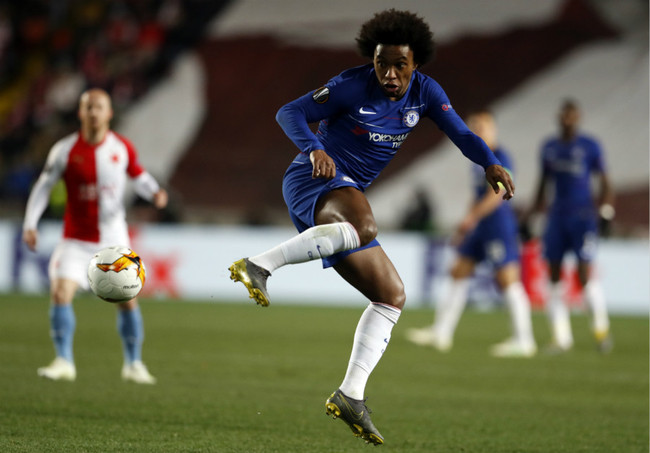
[(51, 51)]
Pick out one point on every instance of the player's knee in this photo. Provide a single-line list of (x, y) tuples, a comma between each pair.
[(60, 295), (456, 273), (128, 305), (507, 275), (462, 269), (394, 295), (399, 296), (367, 232)]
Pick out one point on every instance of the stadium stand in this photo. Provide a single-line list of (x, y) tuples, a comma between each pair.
[(51, 51), (254, 56)]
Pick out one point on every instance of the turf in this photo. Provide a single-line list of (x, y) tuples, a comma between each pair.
[(241, 378)]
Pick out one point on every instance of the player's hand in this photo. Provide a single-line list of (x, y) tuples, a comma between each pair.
[(463, 229), (160, 199), (30, 237), (322, 165), (606, 213), (496, 174)]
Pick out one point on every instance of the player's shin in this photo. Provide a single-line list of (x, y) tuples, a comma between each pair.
[(559, 317), (595, 300), (370, 341), (451, 308), (314, 243), (130, 327), (519, 306), (62, 323)]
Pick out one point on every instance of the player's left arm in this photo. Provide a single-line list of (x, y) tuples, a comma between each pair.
[(606, 197), (144, 184), (606, 192), (160, 198), (471, 145), (606, 210), (148, 188)]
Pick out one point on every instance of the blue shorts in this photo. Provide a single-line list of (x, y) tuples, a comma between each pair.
[(301, 193), (494, 241), (577, 232)]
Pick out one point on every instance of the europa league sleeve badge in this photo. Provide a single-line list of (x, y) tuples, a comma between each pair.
[(321, 95)]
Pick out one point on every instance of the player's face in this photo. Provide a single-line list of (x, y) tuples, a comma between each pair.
[(483, 125), (394, 67), (95, 110), (569, 118)]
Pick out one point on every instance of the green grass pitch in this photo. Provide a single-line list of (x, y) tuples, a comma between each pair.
[(241, 378)]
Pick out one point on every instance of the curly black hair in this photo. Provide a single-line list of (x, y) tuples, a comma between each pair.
[(395, 27)]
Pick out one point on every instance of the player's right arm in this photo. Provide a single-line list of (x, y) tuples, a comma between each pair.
[(40, 194), (325, 102), (539, 200), (482, 208)]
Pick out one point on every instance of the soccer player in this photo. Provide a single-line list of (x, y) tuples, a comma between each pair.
[(488, 232), (94, 164), (569, 162), (364, 114)]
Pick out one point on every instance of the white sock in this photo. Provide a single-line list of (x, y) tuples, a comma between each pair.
[(370, 341), (594, 297), (559, 316), (450, 308), (519, 306), (314, 243)]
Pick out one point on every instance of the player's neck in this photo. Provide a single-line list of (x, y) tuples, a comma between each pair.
[(94, 136), (568, 135)]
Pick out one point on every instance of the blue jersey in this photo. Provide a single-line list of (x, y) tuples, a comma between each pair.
[(495, 237), (571, 224), (504, 211), (570, 165), (361, 129)]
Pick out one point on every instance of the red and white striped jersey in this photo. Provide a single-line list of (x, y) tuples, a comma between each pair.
[(95, 179)]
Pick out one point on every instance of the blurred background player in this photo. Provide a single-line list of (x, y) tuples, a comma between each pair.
[(365, 114), (569, 161), (488, 232), (94, 164)]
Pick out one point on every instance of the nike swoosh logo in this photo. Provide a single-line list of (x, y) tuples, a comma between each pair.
[(357, 415), (366, 112)]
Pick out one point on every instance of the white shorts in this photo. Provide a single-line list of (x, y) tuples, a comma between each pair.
[(70, 260)]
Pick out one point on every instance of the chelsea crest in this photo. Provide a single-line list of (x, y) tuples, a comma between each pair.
[(411, 118)]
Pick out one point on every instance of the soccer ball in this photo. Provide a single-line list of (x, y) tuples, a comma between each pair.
[(116, 274)]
